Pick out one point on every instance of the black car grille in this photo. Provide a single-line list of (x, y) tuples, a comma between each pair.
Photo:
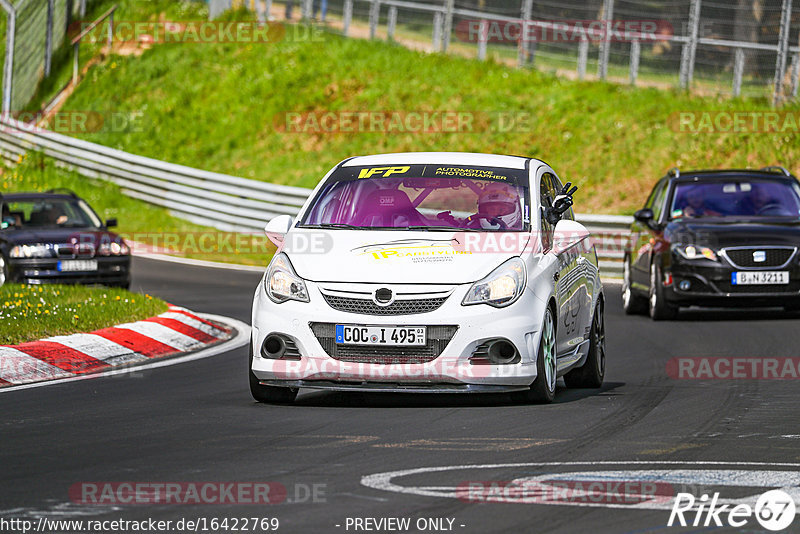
[(775, 257), (438, 337), (398, 307)]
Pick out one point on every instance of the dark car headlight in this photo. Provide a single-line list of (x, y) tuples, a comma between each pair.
[(695, 252), (113, 249)]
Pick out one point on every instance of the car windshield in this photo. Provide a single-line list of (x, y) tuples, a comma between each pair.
[(48, 213), (736, 198), (419, 197)]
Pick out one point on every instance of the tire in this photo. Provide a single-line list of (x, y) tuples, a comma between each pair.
[(593, 370), (660, 309), (268, 394), (632, 303), (3, 271), (543, 389)]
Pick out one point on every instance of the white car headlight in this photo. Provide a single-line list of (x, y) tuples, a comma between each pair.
[(502, 287), (694, 252), (282, 283), (31, 251)]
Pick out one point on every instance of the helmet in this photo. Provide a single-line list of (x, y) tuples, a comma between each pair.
[(499, 201)]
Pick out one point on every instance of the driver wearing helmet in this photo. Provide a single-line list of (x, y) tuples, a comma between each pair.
[(498, 209)]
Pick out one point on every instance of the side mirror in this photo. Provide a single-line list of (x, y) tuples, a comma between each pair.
[(277, 228), (644, 216), (111, 223), (568, 234)]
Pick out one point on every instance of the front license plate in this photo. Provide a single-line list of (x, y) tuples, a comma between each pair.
[(398, 336), (77, 265), (744, 278)]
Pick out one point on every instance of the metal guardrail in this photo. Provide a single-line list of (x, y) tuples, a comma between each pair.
[(228, 203)]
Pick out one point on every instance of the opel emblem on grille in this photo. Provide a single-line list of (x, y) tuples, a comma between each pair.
[(383, 296), (759, 256)]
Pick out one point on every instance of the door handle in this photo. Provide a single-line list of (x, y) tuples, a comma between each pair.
[(556, 276)]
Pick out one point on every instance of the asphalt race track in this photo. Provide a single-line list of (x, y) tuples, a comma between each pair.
[(197, 422)]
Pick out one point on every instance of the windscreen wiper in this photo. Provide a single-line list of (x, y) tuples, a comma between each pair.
[(344, 226)]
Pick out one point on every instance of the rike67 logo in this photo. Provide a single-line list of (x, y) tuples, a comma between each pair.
[(774, 511)]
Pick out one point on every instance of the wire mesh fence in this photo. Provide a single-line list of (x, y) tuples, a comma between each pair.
[(34, 29), (747, 48)]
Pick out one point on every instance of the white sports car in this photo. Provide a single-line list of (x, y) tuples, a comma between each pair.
[(430, 273)]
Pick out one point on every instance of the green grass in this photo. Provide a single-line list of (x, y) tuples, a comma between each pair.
[(138, 221), (219, 107), (28, 313), (127, 10)]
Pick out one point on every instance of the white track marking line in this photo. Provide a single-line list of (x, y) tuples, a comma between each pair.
[(383, 481), (17, 367), (241, 339)]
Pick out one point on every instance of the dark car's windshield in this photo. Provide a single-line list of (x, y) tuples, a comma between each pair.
[(48, 213), (746, 198), (420, 197)]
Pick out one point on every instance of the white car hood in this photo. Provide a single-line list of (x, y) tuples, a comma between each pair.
[(396, 257)]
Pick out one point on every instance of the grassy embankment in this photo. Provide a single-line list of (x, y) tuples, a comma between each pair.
[(221, 106)]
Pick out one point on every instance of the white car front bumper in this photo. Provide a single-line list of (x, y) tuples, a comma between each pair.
[(310, 326)]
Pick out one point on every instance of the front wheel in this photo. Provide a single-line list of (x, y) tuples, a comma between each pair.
[(543, 389), (268, 394), (592, 372), (660, 309)]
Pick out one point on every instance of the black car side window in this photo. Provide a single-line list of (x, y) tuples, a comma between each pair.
[(658, 201), (546, 196)]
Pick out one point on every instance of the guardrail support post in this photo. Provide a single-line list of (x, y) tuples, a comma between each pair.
[(447, 30), (483, 38), (437, 31), (75, 52), (82, 8), (48, 45), (392, 23), (523, 47), (795, 74), (374, 16), (636, 50), (738, 70), (605, 41), (110, 31), (8, 64), (783, 49), (347, 16), (583, 56), (307, 9), (263, 10), (689, 52)]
